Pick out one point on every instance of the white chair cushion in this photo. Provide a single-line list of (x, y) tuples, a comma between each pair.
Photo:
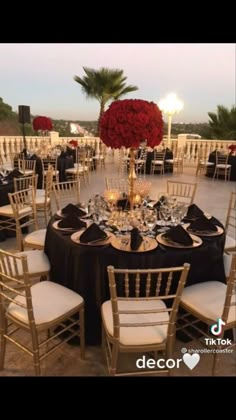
[(208, 299), (40, 200), (158, 162), (223, 166), (36, 238), (138, 335), (38, 262), (49, 300), (229, 242), (7, 210), (28, 172)]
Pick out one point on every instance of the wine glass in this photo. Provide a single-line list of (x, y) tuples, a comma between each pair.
[(151, 220)]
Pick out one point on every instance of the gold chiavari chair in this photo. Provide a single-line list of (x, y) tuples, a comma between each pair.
[(209, 302), (145, 322), (183, 191), (222, 166), (158, 162), (28, 307), (66, 192), (27, 166), (119, 184), (21, 212), (25, 183)]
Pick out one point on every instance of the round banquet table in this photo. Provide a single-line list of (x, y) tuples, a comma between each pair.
[(83, 268)]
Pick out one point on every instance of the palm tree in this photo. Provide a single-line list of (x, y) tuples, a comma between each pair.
[(104, 85), (223, 123)]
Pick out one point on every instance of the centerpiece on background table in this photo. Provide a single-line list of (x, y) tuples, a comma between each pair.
[(129, 122)]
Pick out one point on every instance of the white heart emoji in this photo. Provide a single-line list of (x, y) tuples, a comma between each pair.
[(191, 360)]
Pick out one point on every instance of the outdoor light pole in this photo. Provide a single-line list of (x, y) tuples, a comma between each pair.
[(170, 105)]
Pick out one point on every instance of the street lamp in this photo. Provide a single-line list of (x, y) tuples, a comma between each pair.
[(170, 105)]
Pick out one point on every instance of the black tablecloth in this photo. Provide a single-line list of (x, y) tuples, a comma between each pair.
[(231, 161), (84, 269)]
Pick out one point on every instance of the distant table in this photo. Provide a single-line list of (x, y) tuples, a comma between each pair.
[(231, 161)]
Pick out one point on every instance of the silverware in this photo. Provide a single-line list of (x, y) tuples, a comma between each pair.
[(98, 240)]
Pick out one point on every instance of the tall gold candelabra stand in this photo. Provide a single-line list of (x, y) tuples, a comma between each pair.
[(132, 177)]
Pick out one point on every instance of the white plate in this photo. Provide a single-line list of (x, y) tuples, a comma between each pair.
[(202, 232), (196, 242), (72, 229), (76, 238)]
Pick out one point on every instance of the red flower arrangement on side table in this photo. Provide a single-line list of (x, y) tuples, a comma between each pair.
[(129, 122), (42, 123)]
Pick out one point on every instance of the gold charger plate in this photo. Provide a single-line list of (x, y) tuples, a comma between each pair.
[(202, 232), (163, 241), (59, 214), (72, 229), (75, 237), (122, 243)]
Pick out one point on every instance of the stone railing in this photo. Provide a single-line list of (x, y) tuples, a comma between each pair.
[(13, 145), (10, 146)]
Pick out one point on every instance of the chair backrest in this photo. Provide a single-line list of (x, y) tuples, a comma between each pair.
[(164, 285), (184, 190), (230, 225), (25, 182), (23, 206), (159, 155), (66, 192), (49, 163), (222, 158), (26, 165), (15, 284), (230, 297), (119, 184)]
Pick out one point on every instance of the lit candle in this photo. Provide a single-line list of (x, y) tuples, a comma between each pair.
[(137, 199)]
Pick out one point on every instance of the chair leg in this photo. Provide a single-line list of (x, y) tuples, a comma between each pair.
[(3, 328), (215, 363), (35, 348), (82, 339), (114, 358)]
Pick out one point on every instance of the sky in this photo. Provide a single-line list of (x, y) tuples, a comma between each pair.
[(41, 76)]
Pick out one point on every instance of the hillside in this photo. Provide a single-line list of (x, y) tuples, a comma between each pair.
[(9, 126)]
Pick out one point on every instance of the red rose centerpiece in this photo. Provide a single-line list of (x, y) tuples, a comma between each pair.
[(128, 123), (43, 124)]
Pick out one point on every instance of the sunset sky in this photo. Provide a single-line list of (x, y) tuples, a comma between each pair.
[(41, 76)]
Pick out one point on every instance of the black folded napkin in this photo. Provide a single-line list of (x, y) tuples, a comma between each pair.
[(136, 239), (178, 234), (93, 233), (70, 209), (160, 202), (71, 222), (193, 212), (14, 174), (123, 203), (202, 224)]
